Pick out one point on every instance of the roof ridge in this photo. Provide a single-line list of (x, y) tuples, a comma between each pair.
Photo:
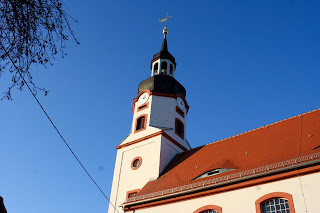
[(263, 126)]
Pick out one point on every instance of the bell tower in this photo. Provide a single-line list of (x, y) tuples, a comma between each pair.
[(158, 129), (163, 62)]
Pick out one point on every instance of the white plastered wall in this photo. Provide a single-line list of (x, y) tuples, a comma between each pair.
[(162, 112), (155, 153), (163, 115), (125, 178), (148, 131), (304, 190), (168, 152)]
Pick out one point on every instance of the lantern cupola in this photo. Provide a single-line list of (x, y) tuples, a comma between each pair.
[(163, 63)]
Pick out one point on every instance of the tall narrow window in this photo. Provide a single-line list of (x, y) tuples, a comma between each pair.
[(141, 123), (179, 130), (171, 69), (164, 67), (156, 68), (275, 202)]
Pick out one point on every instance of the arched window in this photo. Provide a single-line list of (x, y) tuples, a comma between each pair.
[(209, 209), (164, 67), (141, 123), (179, 128), (156, 68), (171, 69), (275, 202)]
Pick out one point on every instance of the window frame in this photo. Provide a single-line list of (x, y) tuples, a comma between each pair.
[(209, 207), (164, 63), (273, 195), (136, 158), (180, 111), (176, 125), (156, 68), (132, 191), (143, 107), (171, 69), (144, 125)]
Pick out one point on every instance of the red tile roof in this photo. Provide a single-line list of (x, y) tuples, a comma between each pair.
[(282, 141)]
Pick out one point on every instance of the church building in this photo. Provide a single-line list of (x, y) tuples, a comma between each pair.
[(271, 169)]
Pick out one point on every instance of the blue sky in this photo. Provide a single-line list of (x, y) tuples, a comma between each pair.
[(244, 64)]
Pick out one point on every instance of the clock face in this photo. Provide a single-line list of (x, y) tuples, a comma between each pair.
[(143, 98), (180, 102)]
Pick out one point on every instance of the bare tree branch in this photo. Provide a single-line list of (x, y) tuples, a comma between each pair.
[(31, 32)]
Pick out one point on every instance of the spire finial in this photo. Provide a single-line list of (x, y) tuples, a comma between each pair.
[(165, 29)]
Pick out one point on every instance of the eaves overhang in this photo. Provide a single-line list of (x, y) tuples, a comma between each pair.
[(164, 55), (162, 84), (264, 171)]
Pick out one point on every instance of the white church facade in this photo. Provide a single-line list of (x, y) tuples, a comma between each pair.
[(272, 169)]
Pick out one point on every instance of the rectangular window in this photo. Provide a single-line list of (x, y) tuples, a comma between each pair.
[(141, 123), (179, 130), (142, 107)]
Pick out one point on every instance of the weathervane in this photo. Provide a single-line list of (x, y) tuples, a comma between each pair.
[(165, 30)]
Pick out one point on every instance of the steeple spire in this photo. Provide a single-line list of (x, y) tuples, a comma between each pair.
[(163, 62), (165, 32), (164, 44)]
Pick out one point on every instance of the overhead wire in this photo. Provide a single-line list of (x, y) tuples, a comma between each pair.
[(65, 142)]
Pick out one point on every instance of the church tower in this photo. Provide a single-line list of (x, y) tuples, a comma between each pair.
[(158, 129)]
